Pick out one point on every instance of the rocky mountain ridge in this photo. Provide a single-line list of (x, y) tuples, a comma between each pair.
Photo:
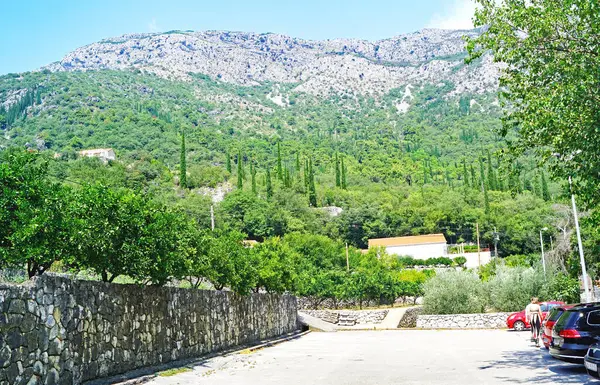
[(348, 67)]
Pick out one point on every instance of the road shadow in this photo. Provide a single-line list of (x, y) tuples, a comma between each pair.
[(555, 371)]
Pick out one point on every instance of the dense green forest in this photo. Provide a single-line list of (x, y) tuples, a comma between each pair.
[(439, 167)]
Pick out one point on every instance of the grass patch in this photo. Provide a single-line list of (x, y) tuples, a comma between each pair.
[(175, 371)]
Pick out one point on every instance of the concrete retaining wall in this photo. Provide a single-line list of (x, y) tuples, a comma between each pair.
[(463, 321), (60, 331)]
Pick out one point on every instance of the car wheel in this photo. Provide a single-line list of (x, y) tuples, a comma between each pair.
[(519, 326)]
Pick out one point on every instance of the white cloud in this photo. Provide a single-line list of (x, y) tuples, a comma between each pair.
[(152, 26), (457, 14)]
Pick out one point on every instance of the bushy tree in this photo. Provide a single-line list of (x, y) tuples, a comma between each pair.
[(275, 266), (228, 263), (549, 81), (454, 292), (110, 224), (35, 226), (511, 289)]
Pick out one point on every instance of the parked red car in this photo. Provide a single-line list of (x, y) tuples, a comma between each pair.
[(553, 316), (518, 322)]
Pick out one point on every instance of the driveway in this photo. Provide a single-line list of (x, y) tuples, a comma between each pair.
[(389, 357)]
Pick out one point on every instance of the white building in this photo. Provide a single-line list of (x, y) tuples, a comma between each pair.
[(104, 154), (418, 246)]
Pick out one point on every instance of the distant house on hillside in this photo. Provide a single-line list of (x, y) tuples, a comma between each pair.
[(104, 154), (418, 246)]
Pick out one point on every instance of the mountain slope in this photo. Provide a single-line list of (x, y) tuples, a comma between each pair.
[(416, 133), (341, 66), (410, 114)]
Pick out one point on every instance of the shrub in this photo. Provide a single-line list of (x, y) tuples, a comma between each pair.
[(512, 287), (564, 288), (460, 261), (454, 292)]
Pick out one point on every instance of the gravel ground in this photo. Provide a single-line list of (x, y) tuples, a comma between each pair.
[(389, 357)]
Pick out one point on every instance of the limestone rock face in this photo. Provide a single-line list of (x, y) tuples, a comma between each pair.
[(341, 66)]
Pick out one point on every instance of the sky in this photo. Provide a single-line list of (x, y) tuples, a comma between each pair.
[(34, 33)]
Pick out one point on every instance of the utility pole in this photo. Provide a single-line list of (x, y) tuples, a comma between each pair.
[(478, 248), (496, 238), (212, 218), (542, 245), (588, 297), (347, 259)]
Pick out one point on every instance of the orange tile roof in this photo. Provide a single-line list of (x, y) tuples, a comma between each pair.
[(410, 240)]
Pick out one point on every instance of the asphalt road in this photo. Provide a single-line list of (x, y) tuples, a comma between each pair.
[(389, 357)]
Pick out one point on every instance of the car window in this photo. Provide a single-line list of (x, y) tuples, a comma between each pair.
[(568, 319), (554, 314), (544, 307), (594, 318)]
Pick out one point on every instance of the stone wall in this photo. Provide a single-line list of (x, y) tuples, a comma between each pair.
[(409, 319), (357, 317), (60, 331), (463, 321)]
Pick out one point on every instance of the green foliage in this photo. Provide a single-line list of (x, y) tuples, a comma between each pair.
[(540, 42), (564, 288), (229, 264), (454, 292), (228, 163), (253, 177), (182, 163), (240, 171), (459, 261), (511, 288), (35, 227), (338, 182), (312, 192), (436, 261), (276, 270), (120, 232), (269, 184), (279, 166)]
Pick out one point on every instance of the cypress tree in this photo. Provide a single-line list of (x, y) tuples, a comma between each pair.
[(486, 199), (537, 186), (425, 174), (545, 191), (269, 185), (344, 172), (338, 182), (306, 174), (240, 172), (527, 184), (473, 177), (182, 163), (492, 185), (298, 162), (312, 192), (465, 175), (279, 167), (228, 163), (253, 176), (482, 173), (431, 174)]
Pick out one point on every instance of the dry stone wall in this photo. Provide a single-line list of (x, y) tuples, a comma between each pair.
[(463, 321), (354, 317), (61, 331)]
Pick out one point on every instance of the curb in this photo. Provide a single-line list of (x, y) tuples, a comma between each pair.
[(143, 378)]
